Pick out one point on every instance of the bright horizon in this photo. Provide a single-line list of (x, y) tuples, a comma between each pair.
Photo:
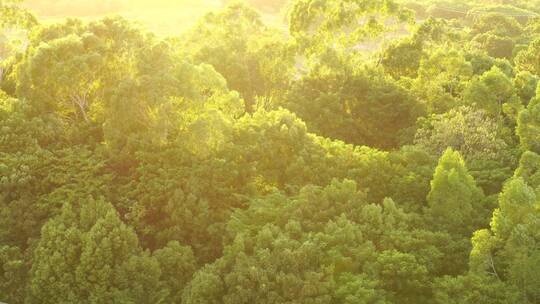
[(164, 17)]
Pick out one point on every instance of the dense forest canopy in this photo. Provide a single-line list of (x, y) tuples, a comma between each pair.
[(347, 151)]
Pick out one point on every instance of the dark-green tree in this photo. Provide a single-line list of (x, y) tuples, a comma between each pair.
[(359, 105), (322, 246)]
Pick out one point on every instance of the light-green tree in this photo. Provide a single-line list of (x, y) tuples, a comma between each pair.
[(255, 60), (442, 78), (496, 23), (528, 126), (99, 260), (454, 199), (529, 169), (509, 250), (466, 130), (526, 60), (492, 91), (477, 137), (347, 22), (12, 14), (525, 84)]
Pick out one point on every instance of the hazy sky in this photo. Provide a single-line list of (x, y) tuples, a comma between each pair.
[(161, 16)]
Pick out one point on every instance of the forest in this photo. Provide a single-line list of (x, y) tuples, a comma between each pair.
[(347, 152)]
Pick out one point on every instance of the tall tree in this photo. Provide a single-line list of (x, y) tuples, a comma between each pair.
[(442, 78), (68, 67), (342, 100), (454, 199), (477, 137), (491, 91), (509, 250), (529, 169), (528, 127), (527, 59), (456, 207), (255, 60), (525, 84), (93, 263), (315, 22)]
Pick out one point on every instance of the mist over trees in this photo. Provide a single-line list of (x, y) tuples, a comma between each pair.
[(368, 152)]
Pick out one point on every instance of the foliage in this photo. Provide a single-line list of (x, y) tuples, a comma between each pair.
[(454, 196), (361, 106), (312, 21), (299, 248), (464, 129), (353, 157), (441, 79), (509, 250), (528, 126), (254, 60)]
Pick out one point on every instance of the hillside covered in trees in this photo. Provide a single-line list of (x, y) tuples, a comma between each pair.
[(368, 152)]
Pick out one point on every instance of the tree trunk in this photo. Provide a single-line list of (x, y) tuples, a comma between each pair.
[(82, 103)]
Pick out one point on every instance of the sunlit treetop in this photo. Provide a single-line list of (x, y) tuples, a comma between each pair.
[(348, 21), (11, 15)]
